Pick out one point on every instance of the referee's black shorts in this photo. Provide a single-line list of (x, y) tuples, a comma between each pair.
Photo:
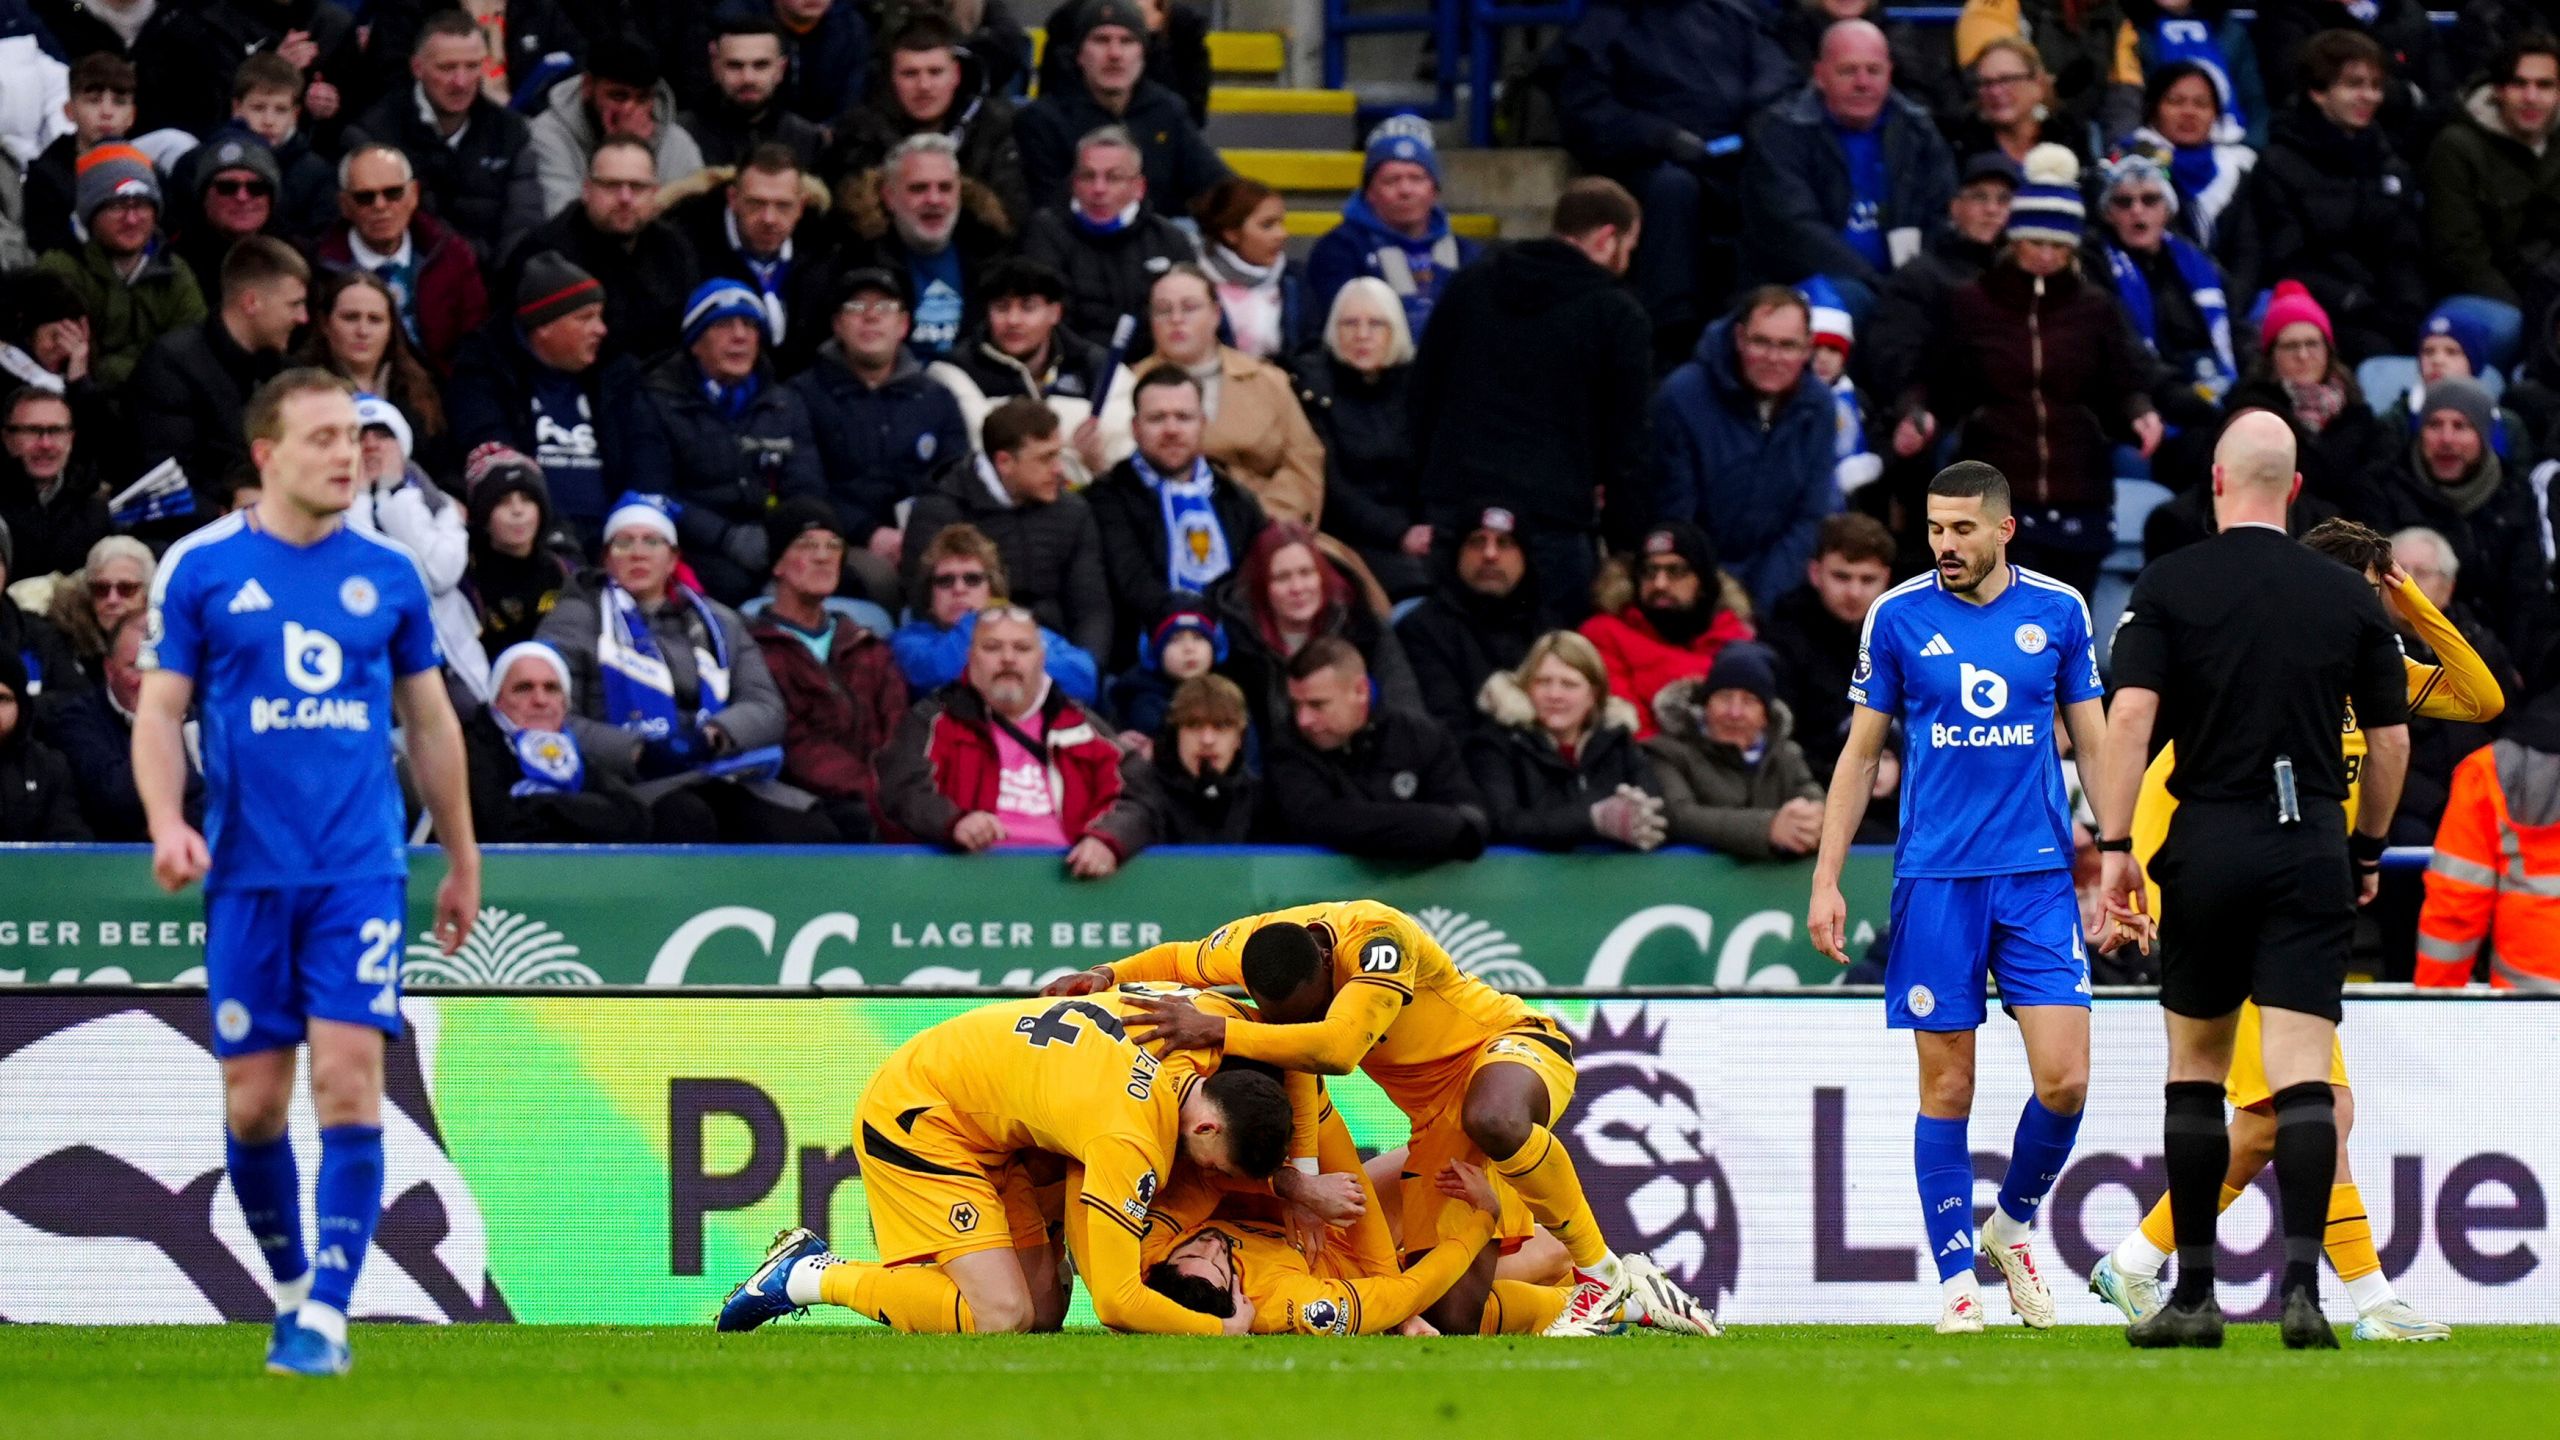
[(2253, 910)]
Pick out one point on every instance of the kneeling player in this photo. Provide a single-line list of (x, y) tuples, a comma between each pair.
[(938, 1132)]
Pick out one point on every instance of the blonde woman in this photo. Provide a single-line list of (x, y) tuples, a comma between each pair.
[(1559, 764), (1353, 392)]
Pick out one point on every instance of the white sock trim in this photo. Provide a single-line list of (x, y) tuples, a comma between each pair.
[(329, 1320), (802, 1283), (2370, 1292), (1959, 1284), (291, 1293), (2139, 1258)]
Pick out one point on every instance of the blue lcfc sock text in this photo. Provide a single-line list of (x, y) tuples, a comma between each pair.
[(2035, 1159), (1942, 1158), (269, 1188), (350, 1201)]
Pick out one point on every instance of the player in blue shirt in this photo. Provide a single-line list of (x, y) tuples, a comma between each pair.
[(1973, 659), (297, 641)]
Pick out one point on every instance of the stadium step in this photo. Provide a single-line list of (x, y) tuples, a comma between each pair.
[(1278, 117), (1236, 57)]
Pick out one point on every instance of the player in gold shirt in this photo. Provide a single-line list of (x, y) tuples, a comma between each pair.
[(942, 1131), (2460, 687), (1356, 983)]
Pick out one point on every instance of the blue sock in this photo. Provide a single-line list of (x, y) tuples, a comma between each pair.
[(350, 1201), (1943, 1159), (269, 1187), (2035, 1159)]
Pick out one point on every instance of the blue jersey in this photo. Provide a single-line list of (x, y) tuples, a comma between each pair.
[(293, 651), (1975, 688)]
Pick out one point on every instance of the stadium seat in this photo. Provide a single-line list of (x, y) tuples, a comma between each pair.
[(2385, 378), (861, 612)]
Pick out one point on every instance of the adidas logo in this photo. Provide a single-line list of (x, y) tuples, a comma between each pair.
[(1937, 643), (252, 596), (330, 1257), (1957, 1244)]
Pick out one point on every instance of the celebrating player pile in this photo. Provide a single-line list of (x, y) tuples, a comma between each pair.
[(957, 1125), (1972, 659)]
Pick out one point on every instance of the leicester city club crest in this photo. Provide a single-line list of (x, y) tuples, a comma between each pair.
[(357, 594), (2030, 639)]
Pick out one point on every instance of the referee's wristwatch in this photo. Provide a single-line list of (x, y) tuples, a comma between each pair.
[(2116, 847), (2365, 850)]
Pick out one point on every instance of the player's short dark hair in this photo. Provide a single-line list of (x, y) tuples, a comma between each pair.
[(1258, 1119), (264, 418), (99, 70), (452, 24), (257, 260), (265, 70), (2326, 56), (1973, 480), (1854, 537), (1591, 203), (1191, 1292), (1014, 424), (2360, 548), (1327, 652), (772, 158), (1280, 959), (2502, 66)]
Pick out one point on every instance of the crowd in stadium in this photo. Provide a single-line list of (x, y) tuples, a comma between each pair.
[(812, 429)]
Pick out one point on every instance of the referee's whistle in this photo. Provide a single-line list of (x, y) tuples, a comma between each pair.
[(2288, 800)]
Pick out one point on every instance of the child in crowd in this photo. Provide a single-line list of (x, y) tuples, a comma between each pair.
[(1833, 333), (1206, 793), (1183, 641), (100, 109)]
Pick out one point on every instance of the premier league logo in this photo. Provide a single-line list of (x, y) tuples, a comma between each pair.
[(1648, 1164)]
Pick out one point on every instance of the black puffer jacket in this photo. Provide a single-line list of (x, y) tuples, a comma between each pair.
[(37, 798), (728, 473), (1052, 553), (603, 810), (1108, 276), (1372, 484), (1179, 165), (465, 182), (1395, 791), (1222, 807), (1536, 796), (2339, 213), (1456, 639), (187, 396)]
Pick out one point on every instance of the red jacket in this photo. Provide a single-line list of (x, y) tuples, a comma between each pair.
[(943, 765), (1641, 662), (840, 713), (451, 298)]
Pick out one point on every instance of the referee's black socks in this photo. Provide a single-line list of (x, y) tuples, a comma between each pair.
[(2198, 1150), (2306, 1166)]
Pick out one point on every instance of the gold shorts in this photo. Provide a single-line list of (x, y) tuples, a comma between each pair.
[(2247, 1082), (1440, 1135), (931, 1199)]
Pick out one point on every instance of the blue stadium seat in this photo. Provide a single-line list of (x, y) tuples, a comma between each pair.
[(2385, 378), (861, 612)]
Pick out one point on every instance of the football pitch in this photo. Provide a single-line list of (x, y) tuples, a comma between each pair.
[(203, 1383)]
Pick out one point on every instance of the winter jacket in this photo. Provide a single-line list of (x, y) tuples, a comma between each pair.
[(2182, 341), (2419, 85), (181, 82), (187, 398), (1457, 639), (699, 210), (1761, 487), (727, 135), (827, 64), (2340, 213), (2493, 206), (1892, 353), (47, 196), (551, 172), (450, 297), (603, 810), (430, 525), (1395, 791), (1796, 188), (752, 717), (1417, 270), (125, 316), (1222, 807), (1180, 166), (540, 36), (1108, 276), (38, 800), (982, 236), (841, 710), (2045, 377), (304, 207), (878, 446), (51, 536), (2495, 874), (1259, 436), (980, 122), (1639, 72), (727, 473), (1530, 392), (1712, 795), (53, 665), (1642, 664), (1924, 64), (1052, 553), (932, 656), (1136, 544), (96, 740), (1817, 652), (943, 765), (1177, 55), (979, 377), (1372, 483), (465, 182), (2503, 577), (645, 281), (586, 459), (1537, 795)]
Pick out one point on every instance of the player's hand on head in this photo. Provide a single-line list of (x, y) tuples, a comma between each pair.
[(1241, 1322), (179, 858), (1826, 920), (1178, 1023), (1082, 982), (1461, 1181)]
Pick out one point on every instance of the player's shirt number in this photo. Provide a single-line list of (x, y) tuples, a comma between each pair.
[(1057, 1024)]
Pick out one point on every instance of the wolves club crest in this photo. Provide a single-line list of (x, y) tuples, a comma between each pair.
[(1647, 1161)]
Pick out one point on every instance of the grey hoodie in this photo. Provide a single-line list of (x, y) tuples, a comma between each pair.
[(552, 171)]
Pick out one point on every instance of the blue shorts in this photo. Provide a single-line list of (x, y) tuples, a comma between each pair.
[(276, 958), (2024, 929)]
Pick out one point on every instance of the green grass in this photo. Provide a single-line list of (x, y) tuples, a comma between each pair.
[(205, 1384)]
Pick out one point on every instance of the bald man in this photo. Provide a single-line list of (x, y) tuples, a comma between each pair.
[(2239, 649), (1843, 179)]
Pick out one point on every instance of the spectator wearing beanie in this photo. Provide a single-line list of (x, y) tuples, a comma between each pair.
[(1393, 228), (2454, 345), (613, 231), (1206, 791), (1177, 55), (2172, 292), (1110, 88), (537, 381), (1732, 777), (622, 94), (2044, 378), (1480, 619), (520, 558), (722, 437), (132, 285), (236, 193), (1670, 625), (2449, 479), (1835, 336), (842, 695), (2299, 375), (1559, 764), (540, 772), (1183, 642)]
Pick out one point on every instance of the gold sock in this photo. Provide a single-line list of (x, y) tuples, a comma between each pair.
[(1543, 1173), (918, 1299), (1517, 1307), (2349, 1238), (2156, 1225)]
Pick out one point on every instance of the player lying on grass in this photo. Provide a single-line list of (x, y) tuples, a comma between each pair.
[(2459, 687), (940, 1133), (1479, 1074)]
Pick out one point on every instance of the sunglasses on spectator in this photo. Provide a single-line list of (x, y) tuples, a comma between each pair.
[(234, 189), (960, 580), (42, 432), (387, 195), (2137, 200), (120, 589)]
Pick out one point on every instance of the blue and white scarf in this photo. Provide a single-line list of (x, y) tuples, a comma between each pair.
[(639, 689), (1195, 543), (2133, 287), (550, 760), (770, 276), (1853, 465)]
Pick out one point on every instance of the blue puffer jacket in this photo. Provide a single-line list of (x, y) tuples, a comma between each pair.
[(932, 657), (1760, 490), (727, 472), (1417, 270)]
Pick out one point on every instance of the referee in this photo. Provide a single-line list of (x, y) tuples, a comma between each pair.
[(2240, 650)]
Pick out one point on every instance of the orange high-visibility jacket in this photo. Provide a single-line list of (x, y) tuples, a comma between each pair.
[(2496, 873)]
